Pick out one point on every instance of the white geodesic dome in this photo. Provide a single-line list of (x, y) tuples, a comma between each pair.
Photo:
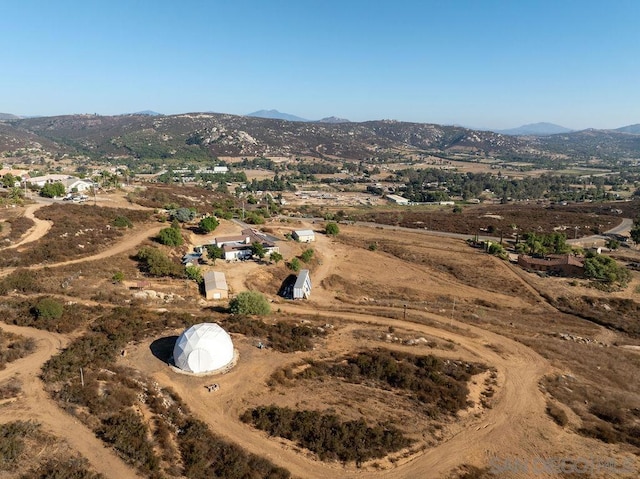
[(203, 348)]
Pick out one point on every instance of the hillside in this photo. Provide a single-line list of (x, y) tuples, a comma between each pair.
[(209, 135)]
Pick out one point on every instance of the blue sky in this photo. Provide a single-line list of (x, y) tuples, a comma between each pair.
[(494, 64)]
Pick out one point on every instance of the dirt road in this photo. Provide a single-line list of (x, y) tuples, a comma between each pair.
[(36, 232), (35, 404)]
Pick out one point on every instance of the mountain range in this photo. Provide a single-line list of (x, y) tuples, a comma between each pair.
[(536, 129), (277, 115), (210, 135)]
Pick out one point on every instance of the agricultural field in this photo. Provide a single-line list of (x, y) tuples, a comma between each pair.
[(416, 355)]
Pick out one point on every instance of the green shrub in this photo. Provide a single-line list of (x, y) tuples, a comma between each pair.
[(294, 265), (208, 224), (48, 309), (194, 273), (156, 263), (250, 302), (118, 277), (332, 229), (122, 222), (170, 237), (307, 255)]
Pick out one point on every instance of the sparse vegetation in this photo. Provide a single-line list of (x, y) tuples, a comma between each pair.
[(14, 347), (282, 336), (439, 386), (327, 435)]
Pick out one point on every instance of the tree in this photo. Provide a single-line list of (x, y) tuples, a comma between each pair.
[(250, 302), (275, 256), (170, 237), (208, 224), (307, 255), (48, 308), (214, 252), (257, 249), (9, 180), (51, 190), (635, 231), (183, 215), (612, 244), (603, 268), (332, 229), (122, 222), (156, 263), (294, 265), (194, 273)]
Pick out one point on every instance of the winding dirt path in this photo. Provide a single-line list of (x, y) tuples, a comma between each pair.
[(129, 242), (40, 228), (34, 403)]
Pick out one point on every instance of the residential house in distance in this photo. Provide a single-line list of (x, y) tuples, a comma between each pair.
[(560, 264), (304, 236), (71, 183), (302, 286), (215, 285), (238, 247)]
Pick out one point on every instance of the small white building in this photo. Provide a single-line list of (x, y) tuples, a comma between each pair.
[(77, 185), (304, 236), (215, 285), (302, 286), (397, 199)]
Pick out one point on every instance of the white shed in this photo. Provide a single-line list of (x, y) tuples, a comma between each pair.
[(215, 285), (304, 236), (302, 287)]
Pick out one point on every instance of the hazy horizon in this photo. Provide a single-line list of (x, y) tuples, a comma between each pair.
[(486, 65)]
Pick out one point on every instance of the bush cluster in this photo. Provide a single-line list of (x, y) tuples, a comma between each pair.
[(14, 347), (156, 263), (72, 468), (438, 385), (204, 456), (327, 435), (282, 336), (12, 435), (42, 313)]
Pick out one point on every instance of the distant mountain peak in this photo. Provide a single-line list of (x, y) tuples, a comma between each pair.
[(536, 129), (147, 113), (633, 129), (8, 116), (333, 119), (275, 115)]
